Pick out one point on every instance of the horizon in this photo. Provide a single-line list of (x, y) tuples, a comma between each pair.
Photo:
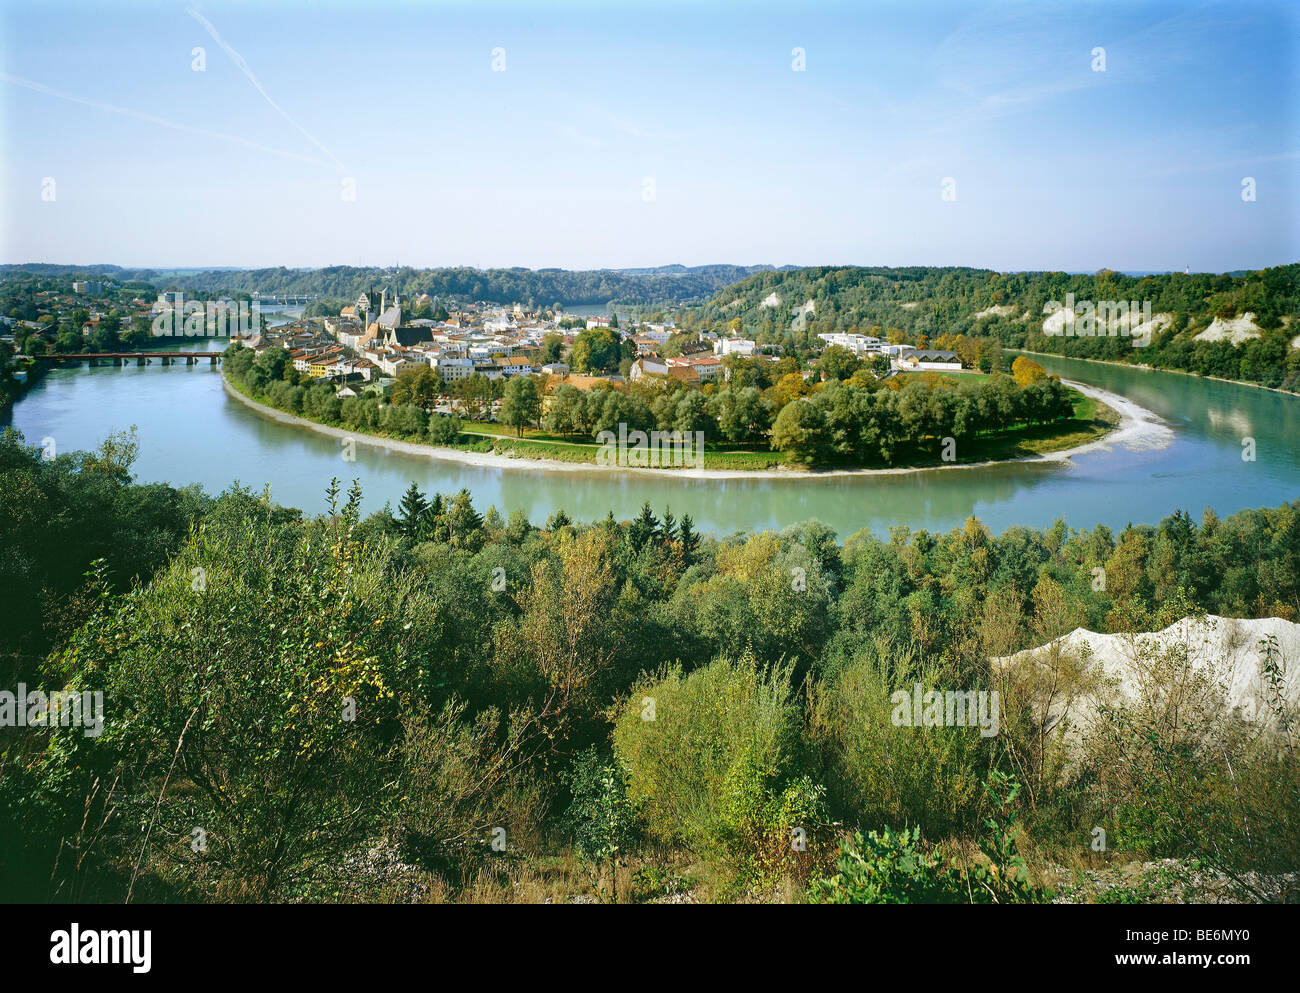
[(774, 267), (1063, 138)]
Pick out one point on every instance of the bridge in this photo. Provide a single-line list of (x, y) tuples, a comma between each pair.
[(141, 358), (281, 300)]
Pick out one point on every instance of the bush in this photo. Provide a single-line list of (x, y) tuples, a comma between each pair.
[(601, 820), (886, 867), (770, 833), (706, 751), (893, 868), (444, 430), (878, 773)]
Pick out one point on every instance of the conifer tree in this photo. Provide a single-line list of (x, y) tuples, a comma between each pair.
[(413, 507)]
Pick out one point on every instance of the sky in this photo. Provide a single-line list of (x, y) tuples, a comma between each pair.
[(1013, 136)]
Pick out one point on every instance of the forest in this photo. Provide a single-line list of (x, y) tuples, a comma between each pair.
[(908, 304), (539, 288), (438, 703)]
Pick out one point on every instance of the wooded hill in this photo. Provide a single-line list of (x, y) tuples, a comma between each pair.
[(935, 301), (665, 285)]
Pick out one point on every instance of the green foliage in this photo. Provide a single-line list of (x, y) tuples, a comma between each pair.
[(522, 405), (601, 820), (885, 867), (889, 867), (228, 635), (883, 773), (714, 732)]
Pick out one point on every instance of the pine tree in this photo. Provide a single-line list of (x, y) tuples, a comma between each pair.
[(558, 520), (688, 539), (413, 506), (463, 521), (431, 519), (644, 529), (670, 526)]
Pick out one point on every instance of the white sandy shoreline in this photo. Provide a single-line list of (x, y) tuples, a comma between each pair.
[(1139, 429)]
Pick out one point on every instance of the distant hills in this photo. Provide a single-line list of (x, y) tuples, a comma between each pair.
[(661, 285)]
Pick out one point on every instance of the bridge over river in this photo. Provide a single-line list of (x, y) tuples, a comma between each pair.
[(140, 358)]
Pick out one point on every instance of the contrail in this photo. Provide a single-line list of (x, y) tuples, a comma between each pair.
[(243, 66), (163, 122)]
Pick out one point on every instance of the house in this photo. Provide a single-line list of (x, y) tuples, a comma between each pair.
[(647, 367), (858, 344), (453, 370), (584, 383), (929, 358), (707, 367), (734, 346), (646, 344)]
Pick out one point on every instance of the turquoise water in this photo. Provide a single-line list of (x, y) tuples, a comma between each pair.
[(191, 432)]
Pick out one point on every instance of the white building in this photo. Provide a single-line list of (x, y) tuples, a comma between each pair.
[(454, 370), (858, 344), (734, 346)]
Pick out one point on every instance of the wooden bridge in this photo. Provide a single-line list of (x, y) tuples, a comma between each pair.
[(141, 358)]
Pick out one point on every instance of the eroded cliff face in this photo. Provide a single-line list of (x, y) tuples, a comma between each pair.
[(1248, 669)]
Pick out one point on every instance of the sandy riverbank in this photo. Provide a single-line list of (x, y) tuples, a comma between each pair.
[(1139, 429)]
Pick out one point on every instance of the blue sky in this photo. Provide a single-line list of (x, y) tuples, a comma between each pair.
[(549, 162)]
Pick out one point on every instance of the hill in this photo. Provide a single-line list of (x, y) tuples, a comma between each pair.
[(664, 285)]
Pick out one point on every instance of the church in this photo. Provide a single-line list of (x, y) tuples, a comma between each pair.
[(386, 329)]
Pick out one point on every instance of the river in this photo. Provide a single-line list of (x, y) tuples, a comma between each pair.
[(191, 432)]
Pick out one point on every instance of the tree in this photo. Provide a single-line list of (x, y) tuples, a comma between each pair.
[(522, 404), (687, 539), (413, 506), (601, 819), (644, 529), (787, 388), (105, 336), (596, 350), (837, 362), (552, 349), (797, 433), (1027, 371), (418, 384), (669, 529)]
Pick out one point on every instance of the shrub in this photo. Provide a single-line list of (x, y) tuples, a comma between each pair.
[(601, 820), (884, 867), (889, 867), (770, 833), (697, 746), (878, 773)]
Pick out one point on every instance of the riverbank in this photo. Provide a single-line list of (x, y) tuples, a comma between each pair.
[(1154, 368), (1136, 428)]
